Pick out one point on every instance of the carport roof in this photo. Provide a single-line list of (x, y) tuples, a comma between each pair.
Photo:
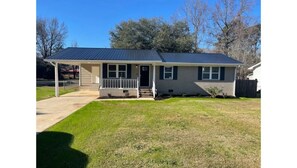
[(74, 53)]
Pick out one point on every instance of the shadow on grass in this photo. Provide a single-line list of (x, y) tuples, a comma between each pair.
[(53, 150)]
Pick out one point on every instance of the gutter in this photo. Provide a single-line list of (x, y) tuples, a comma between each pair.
[(144, 62)]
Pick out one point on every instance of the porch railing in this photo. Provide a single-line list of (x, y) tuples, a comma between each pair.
[(119, 83)]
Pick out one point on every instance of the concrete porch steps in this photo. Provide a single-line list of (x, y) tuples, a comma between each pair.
[(146, 93)]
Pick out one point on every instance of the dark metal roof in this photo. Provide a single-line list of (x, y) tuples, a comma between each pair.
[(112, 54), (204, 58), (73, 53)]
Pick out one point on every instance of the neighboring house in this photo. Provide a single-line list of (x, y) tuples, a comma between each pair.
[(256, 74), (127, 72)]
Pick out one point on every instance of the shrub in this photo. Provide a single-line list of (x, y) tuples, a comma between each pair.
[(214, 91)]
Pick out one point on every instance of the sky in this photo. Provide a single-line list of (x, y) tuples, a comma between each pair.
[(90, 21)]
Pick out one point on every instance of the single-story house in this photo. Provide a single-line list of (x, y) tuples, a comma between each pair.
[(256, 74), (137, 73)]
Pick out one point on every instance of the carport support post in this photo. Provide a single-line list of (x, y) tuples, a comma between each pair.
[(154, 80), (79, 75), (101, 76), (56, 80)]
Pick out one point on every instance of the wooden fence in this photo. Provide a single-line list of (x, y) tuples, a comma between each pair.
[(246, 88)]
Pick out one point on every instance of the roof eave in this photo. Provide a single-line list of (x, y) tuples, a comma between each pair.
[(141, 61), (254, 66), (202, 64)]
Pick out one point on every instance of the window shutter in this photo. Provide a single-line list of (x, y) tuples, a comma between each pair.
[(161, 72), (129, 71), (199, 73), (104, 70), (222, 74), (175, 73)]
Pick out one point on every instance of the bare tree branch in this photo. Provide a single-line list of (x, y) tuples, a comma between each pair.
[(50, 36), (196, 12)]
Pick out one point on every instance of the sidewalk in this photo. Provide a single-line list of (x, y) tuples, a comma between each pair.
[(53, 110)]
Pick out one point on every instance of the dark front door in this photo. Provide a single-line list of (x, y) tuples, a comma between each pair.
[(144, 75)]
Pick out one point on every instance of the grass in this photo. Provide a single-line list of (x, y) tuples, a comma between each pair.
[(177, 132), (46, 92)]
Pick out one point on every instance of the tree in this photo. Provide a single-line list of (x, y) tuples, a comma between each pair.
[(184, 41), (229, 34), (45, 70), (50, 36), (152, 34), (246, 48), (135, 34), (196, 12), (174, 38), (235, 33), (228, 17)]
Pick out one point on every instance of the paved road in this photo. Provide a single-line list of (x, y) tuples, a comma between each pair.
[(53, 110)]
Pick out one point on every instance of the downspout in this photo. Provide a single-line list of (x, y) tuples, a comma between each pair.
[(52, 63)]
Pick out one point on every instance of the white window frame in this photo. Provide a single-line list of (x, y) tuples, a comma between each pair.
[(112, 70), (117, 70), (168, 72), (210, 73)]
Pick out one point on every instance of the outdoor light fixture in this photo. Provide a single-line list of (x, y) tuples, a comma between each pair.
[(136, 66)]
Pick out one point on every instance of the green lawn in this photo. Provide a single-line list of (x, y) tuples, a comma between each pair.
[(46, 92), (177, 132)]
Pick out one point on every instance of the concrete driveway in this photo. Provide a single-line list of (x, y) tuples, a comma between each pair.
[(52, 110)]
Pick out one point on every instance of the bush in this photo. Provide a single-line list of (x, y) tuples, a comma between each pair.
[(214, 91)]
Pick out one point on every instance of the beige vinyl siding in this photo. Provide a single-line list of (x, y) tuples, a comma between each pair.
[(134, 71), (87, 76), (95, 73), (187, 82)]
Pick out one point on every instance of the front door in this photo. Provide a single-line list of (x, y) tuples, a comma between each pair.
[(144, 75)]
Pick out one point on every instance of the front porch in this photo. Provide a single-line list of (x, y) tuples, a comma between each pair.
[(115, 80), (126, 80)]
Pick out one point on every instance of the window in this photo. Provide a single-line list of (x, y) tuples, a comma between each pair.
[(168, 72), (117, 71), (205, 72), (211, 73), (112, 71), (122, 71), (215, 73)]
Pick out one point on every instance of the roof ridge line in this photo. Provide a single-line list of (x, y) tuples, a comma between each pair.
[(111, 48)]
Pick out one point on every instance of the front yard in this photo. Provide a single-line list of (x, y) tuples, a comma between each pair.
[(45, 92), (177, 132)]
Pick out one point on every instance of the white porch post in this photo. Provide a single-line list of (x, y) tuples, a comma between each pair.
[(56, 80), (154, 80), (79, 76), (137, 83), (101, 76), (121, 83)]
